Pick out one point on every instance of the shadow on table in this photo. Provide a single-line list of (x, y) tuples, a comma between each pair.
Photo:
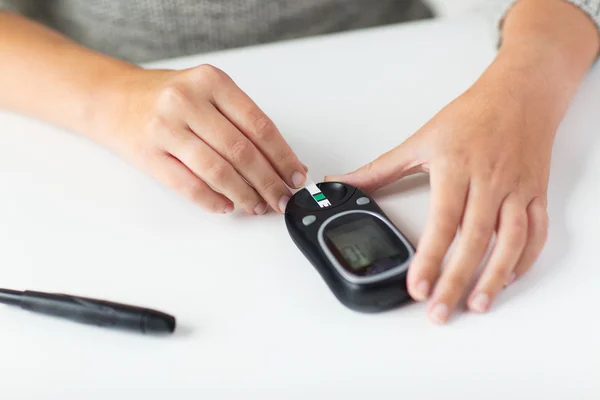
[(183, 331)]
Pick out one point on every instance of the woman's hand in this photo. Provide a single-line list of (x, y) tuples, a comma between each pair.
[(488, 161), (197, 132)]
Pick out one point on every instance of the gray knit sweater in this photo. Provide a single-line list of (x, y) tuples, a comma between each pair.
[(147, 30)]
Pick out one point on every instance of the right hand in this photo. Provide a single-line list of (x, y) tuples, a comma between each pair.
[(198, 133)]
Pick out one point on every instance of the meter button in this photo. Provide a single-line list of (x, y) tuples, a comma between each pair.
[(362, 201), (308, 220)]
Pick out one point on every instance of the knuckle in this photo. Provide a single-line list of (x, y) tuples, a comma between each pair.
[(456, 282), (209, 74), (263, 127), (498, 275), (191, 154), (169, 98), (193, 191), (518, 226), (488, 168), (285, 156), (445, 225), (249, 200), (480, 234), (494, 184), (502, 181), (269, 184), (241, 152), (217, 172)]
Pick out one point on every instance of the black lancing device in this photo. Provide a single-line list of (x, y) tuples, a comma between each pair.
[(91, 311), (362, 256)]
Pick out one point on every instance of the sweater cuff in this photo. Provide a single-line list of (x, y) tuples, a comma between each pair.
[(591, 8), (498, 12)]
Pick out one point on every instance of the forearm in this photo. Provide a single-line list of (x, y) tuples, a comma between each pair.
[(47, 76), (547, 48)]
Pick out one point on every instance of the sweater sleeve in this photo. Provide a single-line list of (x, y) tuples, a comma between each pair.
[(496, 11), (8, 5)]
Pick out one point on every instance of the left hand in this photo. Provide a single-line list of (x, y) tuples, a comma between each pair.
[(488, 156)]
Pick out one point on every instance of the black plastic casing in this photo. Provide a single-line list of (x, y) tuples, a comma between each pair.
[(363, 297), (98, 312)]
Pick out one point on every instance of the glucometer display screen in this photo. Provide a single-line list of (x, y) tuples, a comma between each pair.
[(361, 242), (364, 244)]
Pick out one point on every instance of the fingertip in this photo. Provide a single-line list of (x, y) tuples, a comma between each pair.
[(439, 313), (420, 291), (260, 208), (298, 179), (218, 206), (479, 302)]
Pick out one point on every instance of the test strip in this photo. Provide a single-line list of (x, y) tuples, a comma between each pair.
[(316, 193)]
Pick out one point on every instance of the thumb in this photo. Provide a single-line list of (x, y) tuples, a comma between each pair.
[(397, 163)]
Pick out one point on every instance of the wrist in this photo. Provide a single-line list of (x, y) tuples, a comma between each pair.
[(521, 97), (534, 80), (110, 101)]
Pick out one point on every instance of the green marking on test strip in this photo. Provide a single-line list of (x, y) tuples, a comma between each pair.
[(319, 196)]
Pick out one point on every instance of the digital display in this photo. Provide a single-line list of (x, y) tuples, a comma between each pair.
[(362, 242)]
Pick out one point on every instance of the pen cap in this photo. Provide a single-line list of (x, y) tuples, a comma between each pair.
[(157, 322)]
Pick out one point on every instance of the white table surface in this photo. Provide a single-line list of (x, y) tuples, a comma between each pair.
[(256, 320)]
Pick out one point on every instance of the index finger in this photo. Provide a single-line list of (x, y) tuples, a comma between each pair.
[(245, 115), (448, 196)]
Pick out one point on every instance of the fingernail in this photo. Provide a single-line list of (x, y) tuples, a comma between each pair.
[(283, 203), (480, 303), (261, 208), (228, 209), (512, 278), (439, 313), (422, 290), (298, 179)]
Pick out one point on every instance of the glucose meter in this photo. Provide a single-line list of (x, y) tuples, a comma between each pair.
[(362, 256)]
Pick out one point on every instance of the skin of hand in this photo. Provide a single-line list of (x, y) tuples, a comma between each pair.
[(198, 133), (488, 157), (194, 130)]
